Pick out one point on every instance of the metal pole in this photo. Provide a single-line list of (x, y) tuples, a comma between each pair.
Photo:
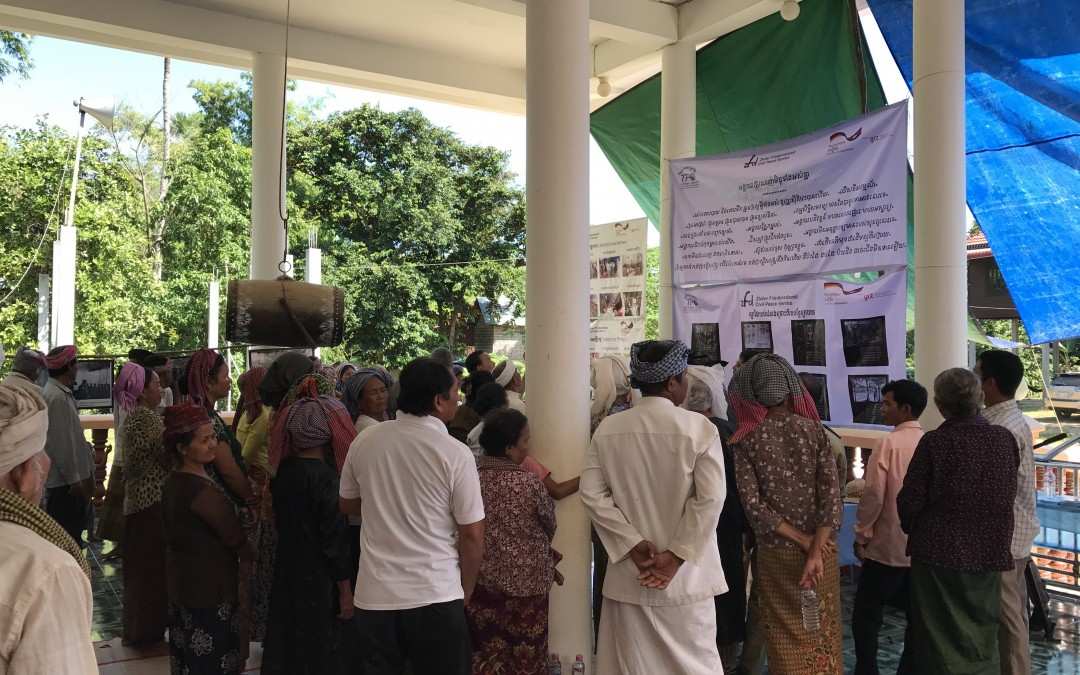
[(69, 216)]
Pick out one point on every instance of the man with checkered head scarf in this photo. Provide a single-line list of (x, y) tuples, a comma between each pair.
[(654, 487)]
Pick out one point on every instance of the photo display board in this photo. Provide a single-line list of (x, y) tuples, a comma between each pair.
[(616, 286), (845, 340), (831, 201)]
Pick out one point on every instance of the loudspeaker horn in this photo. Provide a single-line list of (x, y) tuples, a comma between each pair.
[(103, 110)]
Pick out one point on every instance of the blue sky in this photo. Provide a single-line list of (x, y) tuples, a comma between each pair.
[(64, 71)]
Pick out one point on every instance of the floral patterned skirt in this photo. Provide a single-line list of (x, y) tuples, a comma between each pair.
[(792, 649), (509, 634), (205, 641)]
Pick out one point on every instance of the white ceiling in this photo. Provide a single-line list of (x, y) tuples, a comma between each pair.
[(469, 52)]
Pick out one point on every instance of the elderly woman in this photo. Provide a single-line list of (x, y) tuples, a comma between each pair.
[(312, 593), (610, 379), (508, 614), (366, 397), (705, 395), (787, 482), (204, 543), (957, 509), (146, 601)]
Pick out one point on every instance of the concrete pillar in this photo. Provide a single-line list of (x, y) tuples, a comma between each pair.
[(213, 325), (678, 138), (557, 286), (1046, 371), (940, 197), (63, 287), (43, 289), (267, 166)]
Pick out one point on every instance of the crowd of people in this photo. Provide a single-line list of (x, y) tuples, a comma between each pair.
[(351, 519)]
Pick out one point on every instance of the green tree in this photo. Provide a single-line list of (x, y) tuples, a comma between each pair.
[(652, 293), (14, 54), (391, 191)]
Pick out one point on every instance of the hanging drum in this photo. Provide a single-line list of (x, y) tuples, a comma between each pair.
[(285, 313)]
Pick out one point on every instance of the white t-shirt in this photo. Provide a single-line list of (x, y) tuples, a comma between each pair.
[(417, 484)]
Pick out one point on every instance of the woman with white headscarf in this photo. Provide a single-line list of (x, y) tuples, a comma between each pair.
[(611, 388)]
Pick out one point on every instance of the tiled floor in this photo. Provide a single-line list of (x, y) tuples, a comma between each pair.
[(1058, 657)]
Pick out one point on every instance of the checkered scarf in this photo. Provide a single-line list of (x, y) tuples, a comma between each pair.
[(763, 382), (313, 418), (673, 363)]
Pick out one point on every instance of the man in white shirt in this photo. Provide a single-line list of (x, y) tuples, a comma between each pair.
[(46, 604), (654, 487), (71, 480), (421, 544), (1000, 373)]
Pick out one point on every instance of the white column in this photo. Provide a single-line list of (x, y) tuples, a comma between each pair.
[(313, 270), (213, 326), (44, 315), (63, 287), (267, 166), (678, 138), (940, 196), (557, 286)]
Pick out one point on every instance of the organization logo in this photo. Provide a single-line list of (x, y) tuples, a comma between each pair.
[(688, 177), (690, 301), (839, 139), (835, 293), (747, 300), (753, 161)]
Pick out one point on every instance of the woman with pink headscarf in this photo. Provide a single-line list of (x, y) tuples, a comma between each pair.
[(146, 602)]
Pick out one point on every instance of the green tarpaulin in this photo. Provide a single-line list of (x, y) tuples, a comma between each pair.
[(763, 83)]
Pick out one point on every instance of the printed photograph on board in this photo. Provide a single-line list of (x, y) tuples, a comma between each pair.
[(611, 305), (865, 394), (93, 383), (594, 307), (609, 267), (757, 336), (592, 269), (817, 384), (864, 342), (704, 344), (633, 265), (808, 342), (632, 303)]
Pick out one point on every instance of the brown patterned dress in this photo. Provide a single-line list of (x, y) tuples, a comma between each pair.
[(508, 614), (786, 471)]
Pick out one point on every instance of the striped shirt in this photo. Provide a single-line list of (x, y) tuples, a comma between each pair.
[(1026, 522)]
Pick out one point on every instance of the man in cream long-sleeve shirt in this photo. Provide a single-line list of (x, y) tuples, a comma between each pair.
[(654, 487)]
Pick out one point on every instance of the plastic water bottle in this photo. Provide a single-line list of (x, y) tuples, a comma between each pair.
[(554, 665), (811, 610), (579, 665)]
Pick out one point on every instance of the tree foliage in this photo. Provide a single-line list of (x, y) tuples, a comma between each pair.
[(14, 54), (414, 223)]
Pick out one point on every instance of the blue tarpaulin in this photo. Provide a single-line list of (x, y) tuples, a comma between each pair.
[(1023, 145)]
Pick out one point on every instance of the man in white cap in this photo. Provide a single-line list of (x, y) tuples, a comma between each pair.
[(654, 487), (508, 375), (45, 600)]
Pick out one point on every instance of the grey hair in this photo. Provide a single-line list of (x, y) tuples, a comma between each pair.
[(699, 397), (957, 393)]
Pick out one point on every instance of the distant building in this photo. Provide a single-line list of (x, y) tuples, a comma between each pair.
[(499, 329), (988, 296)]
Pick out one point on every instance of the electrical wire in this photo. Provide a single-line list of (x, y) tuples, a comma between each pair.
[(284, 267), (44, 232)]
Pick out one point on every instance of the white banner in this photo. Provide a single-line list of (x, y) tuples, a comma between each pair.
[(831, 201), (616, 286), (846, 340)]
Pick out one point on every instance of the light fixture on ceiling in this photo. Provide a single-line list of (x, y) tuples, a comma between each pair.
[(789, 11), (603, 87)]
